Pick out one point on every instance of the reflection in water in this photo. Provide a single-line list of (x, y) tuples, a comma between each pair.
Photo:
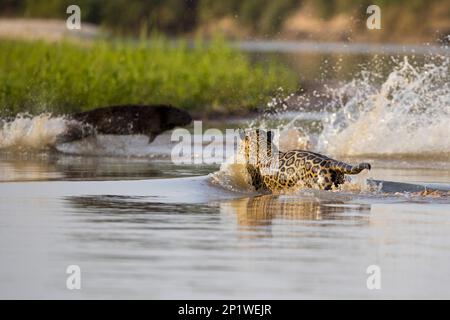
[(264, 210), (250, 212), (47, 166), (255, 216), (133, 213), (309, 245), (112, 205)]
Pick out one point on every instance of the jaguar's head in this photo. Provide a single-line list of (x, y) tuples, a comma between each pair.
[(257, 145)]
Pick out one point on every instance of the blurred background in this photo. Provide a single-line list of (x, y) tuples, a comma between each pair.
[(208, 56), (338, 20)]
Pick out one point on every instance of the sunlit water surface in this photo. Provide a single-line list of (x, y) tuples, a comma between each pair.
[(172, 237), (140, 226)]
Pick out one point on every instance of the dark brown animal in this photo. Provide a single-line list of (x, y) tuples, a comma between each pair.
[(124, 120)]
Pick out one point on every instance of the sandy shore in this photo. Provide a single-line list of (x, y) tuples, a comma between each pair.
[(52, 30)]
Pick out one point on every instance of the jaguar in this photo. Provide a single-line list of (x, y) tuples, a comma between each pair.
[(272, 170)]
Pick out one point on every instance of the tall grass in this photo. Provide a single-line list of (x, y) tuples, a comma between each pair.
[(66, 77)]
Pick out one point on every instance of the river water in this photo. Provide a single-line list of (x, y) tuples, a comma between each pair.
[(140, 226)]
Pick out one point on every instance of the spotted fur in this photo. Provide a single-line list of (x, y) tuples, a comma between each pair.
[(272, 170)]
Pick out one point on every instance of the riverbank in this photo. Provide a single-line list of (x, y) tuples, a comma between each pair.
[(68, 76), (402, 21), (333, 21)]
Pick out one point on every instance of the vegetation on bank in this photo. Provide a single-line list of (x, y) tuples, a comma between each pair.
[(66, 76)]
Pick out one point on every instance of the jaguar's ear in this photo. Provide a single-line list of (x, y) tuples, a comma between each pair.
[(241, 133)]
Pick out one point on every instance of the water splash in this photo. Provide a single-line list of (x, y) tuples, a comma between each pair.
[(36, 134), (409, 114), (403, 115), (31, 132), (233, 175)]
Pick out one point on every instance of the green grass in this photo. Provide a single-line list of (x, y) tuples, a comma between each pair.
[(62, 77)]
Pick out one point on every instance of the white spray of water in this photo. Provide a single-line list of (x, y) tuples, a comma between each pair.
[(31, 132), (26, 133), (409, 114)]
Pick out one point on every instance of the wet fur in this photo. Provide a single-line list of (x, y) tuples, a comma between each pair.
[(124, 120), (293, 167)]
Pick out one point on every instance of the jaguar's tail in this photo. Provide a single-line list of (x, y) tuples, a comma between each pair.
[(349, 169)]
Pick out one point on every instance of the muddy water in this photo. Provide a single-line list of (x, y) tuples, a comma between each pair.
[(140, 226)]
